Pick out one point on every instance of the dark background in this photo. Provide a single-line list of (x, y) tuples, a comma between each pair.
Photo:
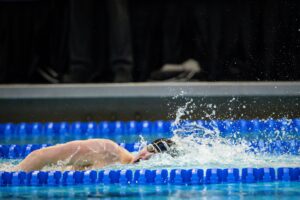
[(232, 40)]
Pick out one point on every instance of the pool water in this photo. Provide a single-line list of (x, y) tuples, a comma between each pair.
[(197, 151), (274, 190), (200, 145)]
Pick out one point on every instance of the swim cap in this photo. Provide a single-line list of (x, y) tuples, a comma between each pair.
[(161, 145)]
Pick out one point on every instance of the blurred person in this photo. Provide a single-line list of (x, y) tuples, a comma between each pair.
[(90, 20), (146, 21)]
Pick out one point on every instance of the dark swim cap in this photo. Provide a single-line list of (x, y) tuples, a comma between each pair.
[(163, 145)]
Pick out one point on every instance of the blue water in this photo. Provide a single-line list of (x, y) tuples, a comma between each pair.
[(274, 190), (214, 152), (54, 139)]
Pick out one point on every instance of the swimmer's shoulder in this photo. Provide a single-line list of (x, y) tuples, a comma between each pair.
[(102, 142), (98, 140), (109, 143)]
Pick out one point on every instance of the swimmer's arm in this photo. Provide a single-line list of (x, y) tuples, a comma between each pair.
[(37, 159), (125, 156), (34, 161)]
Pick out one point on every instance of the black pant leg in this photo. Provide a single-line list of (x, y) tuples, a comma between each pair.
[(147, 36), (120, 45), (173, 28), (208, 35), (81, 38)]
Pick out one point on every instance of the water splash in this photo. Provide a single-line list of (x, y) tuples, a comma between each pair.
[(182, 111), (8, 164), (205, 148), (202, 146)]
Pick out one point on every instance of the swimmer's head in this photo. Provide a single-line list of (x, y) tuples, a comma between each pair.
[(162, 145)]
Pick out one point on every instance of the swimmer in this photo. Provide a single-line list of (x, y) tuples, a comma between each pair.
[(90, 154)]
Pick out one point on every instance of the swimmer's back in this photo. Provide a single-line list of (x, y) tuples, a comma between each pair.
[(80, 154), (93, 152)]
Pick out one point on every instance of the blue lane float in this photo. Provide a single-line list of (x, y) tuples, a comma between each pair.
[(149, 127), (15, 151), (149, 177)]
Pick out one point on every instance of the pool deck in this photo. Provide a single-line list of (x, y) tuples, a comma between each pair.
[(164, 89), (151, 101)]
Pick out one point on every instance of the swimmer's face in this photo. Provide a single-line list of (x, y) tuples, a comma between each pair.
[(144, 154)]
